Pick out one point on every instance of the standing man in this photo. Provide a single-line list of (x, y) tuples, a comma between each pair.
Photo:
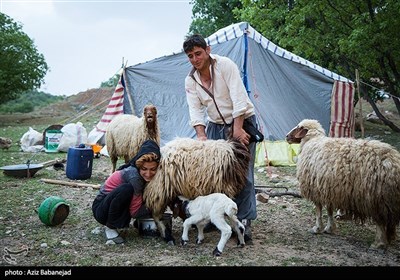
[(230, 107)]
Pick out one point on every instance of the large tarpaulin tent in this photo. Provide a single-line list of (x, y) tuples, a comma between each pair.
[(284, 88)]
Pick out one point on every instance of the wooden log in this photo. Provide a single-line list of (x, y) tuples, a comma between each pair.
[(72, 184), (273, 194), (53, 161)]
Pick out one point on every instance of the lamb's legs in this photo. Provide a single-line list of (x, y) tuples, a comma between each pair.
[(226, 232), (318, 219), (193, 220), (185, 233), (239, 229), (331, 224), (200, 232)]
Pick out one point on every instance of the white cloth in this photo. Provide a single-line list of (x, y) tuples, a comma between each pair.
[(229, 92)]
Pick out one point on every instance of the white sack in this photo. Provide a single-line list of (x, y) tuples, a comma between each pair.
[(73, 135), (30, 139)]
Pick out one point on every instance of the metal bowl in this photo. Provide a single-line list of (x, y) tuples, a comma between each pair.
[(21, 170), (148, 227)]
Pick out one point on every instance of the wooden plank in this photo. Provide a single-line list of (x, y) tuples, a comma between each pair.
[(68, 183)]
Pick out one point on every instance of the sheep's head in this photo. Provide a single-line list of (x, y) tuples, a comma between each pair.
[(177, 206), (301, 131), (150, 116)]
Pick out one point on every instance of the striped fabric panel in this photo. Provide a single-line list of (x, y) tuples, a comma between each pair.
[(342, 110), (115, 107), (239, 29)]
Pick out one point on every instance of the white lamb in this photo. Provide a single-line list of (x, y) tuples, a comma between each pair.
[(210, 208)]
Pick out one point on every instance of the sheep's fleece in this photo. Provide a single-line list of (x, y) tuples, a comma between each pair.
[(361, 177), (191, 168)]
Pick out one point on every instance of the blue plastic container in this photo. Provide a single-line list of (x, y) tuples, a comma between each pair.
[(79, 163)]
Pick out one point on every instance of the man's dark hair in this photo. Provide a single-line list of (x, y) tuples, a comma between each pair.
[(195, 40)]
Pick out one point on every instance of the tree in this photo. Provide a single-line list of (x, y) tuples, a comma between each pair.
[(211, 15), (339, 35), (111, 82), (22, 68)]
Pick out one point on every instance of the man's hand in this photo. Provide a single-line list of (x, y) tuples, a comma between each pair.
[(242, 136), (202, 137), (201, 132)]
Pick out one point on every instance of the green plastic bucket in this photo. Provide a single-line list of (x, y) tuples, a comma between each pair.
[(53, 211)]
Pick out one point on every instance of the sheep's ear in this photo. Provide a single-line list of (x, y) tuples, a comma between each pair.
[(301, 133)]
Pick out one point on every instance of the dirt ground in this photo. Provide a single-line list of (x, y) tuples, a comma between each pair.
[(281, 236)]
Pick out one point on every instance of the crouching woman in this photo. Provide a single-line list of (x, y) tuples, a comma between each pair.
[(120, 197)]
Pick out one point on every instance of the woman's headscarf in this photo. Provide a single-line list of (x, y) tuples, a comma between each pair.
[(148, 146)]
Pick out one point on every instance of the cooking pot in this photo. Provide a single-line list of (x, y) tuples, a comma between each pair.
[(21, 170)]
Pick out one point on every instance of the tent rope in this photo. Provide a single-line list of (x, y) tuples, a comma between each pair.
[(70, 119), (391, 95)]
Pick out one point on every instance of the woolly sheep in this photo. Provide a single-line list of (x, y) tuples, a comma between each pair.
[(209, 208), (126, 133), (191, 168), (358, 176)]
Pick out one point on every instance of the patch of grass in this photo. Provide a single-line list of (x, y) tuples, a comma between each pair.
[(282, 238)]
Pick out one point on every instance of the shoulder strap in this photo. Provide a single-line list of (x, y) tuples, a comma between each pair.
[(207, 91)]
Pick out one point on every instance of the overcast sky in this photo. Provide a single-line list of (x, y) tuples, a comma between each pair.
[(85, 41)]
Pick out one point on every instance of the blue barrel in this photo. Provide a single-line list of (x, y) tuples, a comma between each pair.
[(79, 163)]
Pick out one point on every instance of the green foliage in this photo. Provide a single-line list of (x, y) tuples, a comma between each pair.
[(339, 35), (112, 82), (22, 68), (211, 15), (28, 101)]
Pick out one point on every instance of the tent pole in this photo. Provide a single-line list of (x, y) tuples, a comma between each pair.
[(245, 78), (127, 92), (360, 118)]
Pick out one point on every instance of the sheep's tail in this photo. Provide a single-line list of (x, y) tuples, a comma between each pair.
[(231, 210)]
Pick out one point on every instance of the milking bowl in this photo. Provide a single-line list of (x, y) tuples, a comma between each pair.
[(148, 227)]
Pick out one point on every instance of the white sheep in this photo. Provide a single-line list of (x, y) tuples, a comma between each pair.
[(358, 176), (209, 208), (126, 133), (191, 168)]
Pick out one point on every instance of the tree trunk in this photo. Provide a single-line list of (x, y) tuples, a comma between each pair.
[(380, 116), (397, 103)]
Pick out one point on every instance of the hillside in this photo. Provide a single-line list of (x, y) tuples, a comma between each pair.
[(85, 104)]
